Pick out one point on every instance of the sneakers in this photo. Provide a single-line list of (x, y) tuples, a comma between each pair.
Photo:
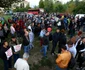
[(52, 54), (77, 68)]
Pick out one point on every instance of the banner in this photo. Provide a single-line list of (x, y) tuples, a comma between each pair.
[(9, 53), (17, 47)]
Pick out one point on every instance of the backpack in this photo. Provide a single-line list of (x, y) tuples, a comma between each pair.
[(72, 62)]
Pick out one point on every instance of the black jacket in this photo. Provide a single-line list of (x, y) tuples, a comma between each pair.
[(25, 41), (62, 39), (56, 37), (45, 40), (80, 46), (2, 53)]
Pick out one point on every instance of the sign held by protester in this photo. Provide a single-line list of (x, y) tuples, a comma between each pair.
[(9, 53), (17, 48)]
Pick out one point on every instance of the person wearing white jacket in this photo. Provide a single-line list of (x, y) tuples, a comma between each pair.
[(72, 48), (12, 29), (31, 38), (21, 63)]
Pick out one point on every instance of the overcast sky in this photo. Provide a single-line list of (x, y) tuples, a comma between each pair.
[(36, 2)]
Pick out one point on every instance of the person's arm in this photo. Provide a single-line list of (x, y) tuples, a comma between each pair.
[(82, 50), (59, 59), (77, 42)]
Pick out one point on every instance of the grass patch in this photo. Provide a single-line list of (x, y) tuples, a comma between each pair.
[(6, 16), (46, 62)]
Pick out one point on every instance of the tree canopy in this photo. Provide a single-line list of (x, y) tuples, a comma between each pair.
[(72, 6), (7, 3), (41, 4)]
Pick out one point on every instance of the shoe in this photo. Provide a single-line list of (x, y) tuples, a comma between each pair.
[(52, 54), (77, 68)]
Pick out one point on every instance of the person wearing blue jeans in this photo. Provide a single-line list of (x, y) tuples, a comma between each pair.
[(45, 44), (16, 56), (26, 49), (44, 50), (26, 41)]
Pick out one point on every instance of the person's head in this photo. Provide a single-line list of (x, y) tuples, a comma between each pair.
[(63, 48), (5, 24), (25, 56), (62, 31), (70, 43), (57, 30), (79, 33), (32, 24), (5, 44), (43, 28), (13, 38), (25, 29)]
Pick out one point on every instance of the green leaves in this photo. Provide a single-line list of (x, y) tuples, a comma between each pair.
[(7, 3), (41, 4), (80, 8)]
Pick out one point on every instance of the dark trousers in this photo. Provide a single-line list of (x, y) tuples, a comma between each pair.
[(7, 64), (80, 60), (59, 47), (16, 56), (54, 46)]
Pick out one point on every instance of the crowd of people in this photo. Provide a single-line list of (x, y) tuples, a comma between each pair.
[(67, 37)]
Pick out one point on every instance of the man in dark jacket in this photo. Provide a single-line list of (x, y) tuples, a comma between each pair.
[(26, 41), (55, 40), (7, 62), (62, 40), (12, 43), (45, 44), (80, 46)]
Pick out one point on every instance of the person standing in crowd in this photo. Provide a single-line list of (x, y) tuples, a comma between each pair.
[(71, 48), (1, 34), (45, 44), (17, 28), (78, 23), (62, 40), (37, 29), (80, 46), (12, 43), (33, 27), (42, 33), (7, 62), (65, 22), (72, 28), (12, 29), (26, 41), (31, 38), (6, 30), (29, 27), (55, 40), (21, 63), (63, 59)]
